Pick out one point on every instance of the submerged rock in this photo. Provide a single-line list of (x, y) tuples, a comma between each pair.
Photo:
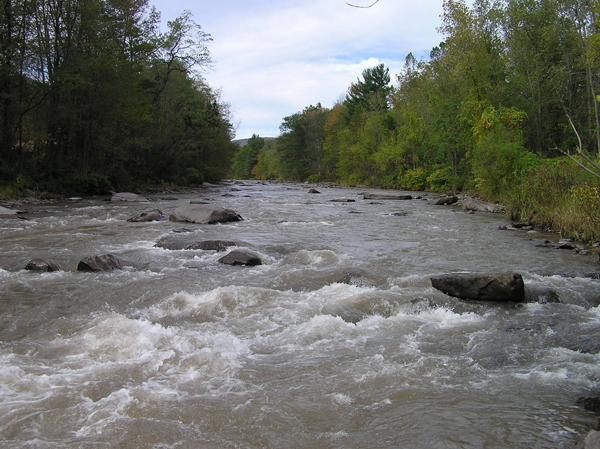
[(42, 265), (356, 279), (128, 196), (237, 257), (149, 215), (211, 245), (102, 262), (174, 244), (204, 214), (482, 287)]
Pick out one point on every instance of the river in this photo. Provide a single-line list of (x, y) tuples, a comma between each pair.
[(180, 351)]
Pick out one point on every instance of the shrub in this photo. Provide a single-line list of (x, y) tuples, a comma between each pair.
[(316, 178), (414, 179), (441, 180)]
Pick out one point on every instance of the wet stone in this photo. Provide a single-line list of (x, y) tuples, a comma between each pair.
[(237, 257), (42, 265)]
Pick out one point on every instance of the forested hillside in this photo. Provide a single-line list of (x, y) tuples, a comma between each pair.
[(93, 96), (505, 107)]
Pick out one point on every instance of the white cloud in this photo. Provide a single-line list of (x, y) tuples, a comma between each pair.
[(272, 59)]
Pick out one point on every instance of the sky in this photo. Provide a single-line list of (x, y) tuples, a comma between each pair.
[(273, 58)]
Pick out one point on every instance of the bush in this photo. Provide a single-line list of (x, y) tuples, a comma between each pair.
[(92, 184), (441, 180), (193, 176), (558, 195), (316, 178), (414, 179)]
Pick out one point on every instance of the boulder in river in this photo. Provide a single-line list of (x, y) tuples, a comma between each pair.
[(42, 265), (380, 196), (149, 215), (482, 287), (128, 196), (204, 214), (313, 191), (102, 262), (237, 257), (446, 200)]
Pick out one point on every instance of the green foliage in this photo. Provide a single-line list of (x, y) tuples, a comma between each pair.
[(193, 176), (101, 94), (246, 158), (315, 178), (441, 180), (558, 195), (414, 179), (371, 93), (300, 146), (268, 166)]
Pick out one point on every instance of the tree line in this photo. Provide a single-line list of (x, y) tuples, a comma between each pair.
[(505, 107), (94, 96)]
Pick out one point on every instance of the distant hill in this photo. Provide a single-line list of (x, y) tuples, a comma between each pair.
[(242, 142)]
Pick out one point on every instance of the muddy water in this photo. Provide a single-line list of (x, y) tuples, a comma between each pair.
[(180, 351)]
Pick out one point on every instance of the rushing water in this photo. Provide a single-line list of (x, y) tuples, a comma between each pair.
[(180, 351)]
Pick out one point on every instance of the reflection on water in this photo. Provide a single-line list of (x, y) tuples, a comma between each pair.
[(337, 340)]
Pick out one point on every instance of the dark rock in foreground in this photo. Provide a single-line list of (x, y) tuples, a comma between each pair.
[(204, 214), (42, 265), (237, 257), (379, 196), (102, 262), (482, 287), (149, 215), (131, 197)]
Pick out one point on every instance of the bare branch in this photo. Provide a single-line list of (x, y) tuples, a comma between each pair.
[(357, 6)]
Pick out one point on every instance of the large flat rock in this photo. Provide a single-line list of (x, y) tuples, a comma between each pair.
[(9, 213), (383, 196), (204, 214), (128, 196)]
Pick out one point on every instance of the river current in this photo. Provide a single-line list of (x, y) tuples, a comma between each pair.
[(180, 351)]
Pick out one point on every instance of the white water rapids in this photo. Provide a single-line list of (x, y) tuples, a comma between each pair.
[(180, 351)]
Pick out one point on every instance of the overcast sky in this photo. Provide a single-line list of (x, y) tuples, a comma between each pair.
[(272, 58)]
